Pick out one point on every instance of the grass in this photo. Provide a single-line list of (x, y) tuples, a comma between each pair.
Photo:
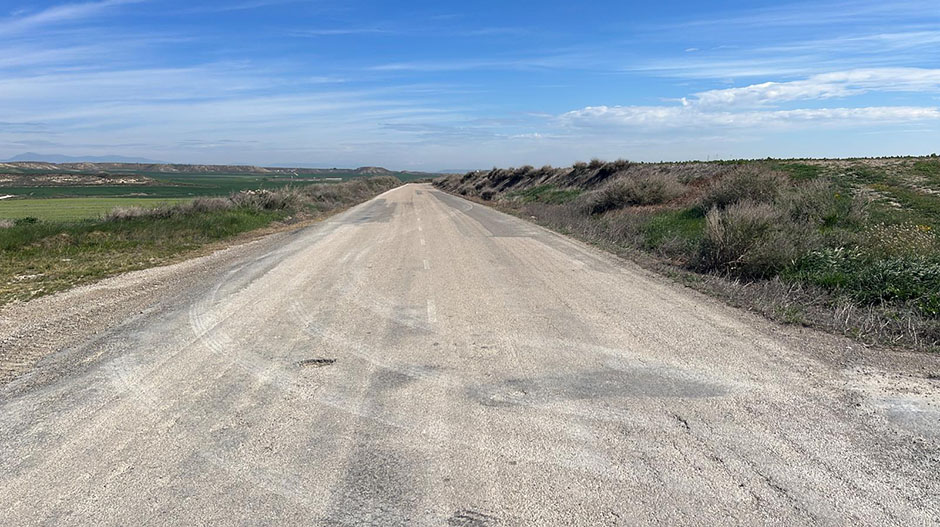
[(545, 194), (846, 245), (67, 209), (800, 171), (45, 257), (687, 225), (39, 257)]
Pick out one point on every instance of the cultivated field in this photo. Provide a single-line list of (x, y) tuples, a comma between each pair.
[(69, 209), (48, 245)]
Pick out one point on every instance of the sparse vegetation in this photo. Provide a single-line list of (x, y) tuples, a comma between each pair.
[(39, 257), (848, 245)]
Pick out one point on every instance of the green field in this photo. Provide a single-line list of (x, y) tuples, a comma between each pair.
[(68, 209)]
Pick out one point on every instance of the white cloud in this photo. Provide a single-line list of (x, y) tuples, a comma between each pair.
[(824, 86), (672, 117)]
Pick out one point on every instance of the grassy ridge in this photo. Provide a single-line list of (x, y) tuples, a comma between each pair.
[(848, 245), (40, 257)]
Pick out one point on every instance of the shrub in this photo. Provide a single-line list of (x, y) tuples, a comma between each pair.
[(821, 203), (263, 199), (207, 205), (744, 184), (6, 224), (126, 213), (651, 189), (735, 239)]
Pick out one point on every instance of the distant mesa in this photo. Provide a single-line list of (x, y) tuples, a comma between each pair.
[(55, 163)]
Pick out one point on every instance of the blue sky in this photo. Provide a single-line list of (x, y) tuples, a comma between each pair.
[(457, 85)]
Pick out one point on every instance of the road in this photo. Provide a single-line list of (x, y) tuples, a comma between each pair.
[(422, 360)]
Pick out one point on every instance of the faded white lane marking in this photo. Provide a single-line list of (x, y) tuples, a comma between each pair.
[(420, 228), (423, 242), (432, 312), (427, 265)]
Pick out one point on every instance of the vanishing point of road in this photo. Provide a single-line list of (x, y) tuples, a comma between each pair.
[(423, 360)]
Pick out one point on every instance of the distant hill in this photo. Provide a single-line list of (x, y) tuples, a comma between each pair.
[(141, 167), (58, 158)]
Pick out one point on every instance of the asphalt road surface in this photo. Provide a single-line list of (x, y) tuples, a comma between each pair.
[(421, 360)]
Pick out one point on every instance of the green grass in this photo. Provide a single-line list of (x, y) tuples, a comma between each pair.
[(687, 225), (44, 257), (67, 209), (546, 194), (800, 171)]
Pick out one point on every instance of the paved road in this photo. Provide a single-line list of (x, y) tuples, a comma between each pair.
[(420, 360)]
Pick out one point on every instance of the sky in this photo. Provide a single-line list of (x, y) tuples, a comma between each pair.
[(439, 85)]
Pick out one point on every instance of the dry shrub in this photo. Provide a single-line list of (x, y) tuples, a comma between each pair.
[(263, 199), (736, 237), (127, 213), (6, 223), (821, 203), (206, 205), (753, 184), (646, 189)]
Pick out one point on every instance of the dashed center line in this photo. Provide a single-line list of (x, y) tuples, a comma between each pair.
[(423, 242), (432, 312), (420, 228), (427, 265)]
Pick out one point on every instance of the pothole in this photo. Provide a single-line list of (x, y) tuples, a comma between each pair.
[(315, 363)]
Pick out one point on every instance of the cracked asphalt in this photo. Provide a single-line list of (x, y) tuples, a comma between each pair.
[(423, 360)]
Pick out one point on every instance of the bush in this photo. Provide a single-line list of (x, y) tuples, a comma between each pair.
[(744, 184), (735, 239), (820, 203), (286, 198), (651, 189)]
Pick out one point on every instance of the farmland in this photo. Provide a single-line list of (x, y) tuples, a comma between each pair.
[(51, 244), (69, 209), (74, 191)]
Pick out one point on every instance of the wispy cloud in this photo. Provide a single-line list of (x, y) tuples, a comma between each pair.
[(823, 86), (673, 117), (760, 105), (339, 31), (815, 13), (60, 14)]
